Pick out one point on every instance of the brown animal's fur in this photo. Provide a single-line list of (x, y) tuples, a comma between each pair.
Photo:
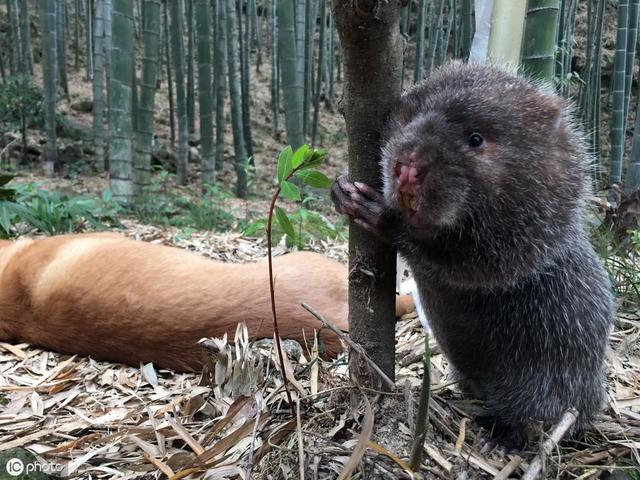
[(121, 300)]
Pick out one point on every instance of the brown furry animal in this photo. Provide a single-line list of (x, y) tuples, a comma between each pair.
[(121, 300)]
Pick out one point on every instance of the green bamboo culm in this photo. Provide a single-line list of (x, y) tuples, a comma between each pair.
[(76, 35), (146, 105), (322, 10), (255, 33), (292, 79), (11, 37), (466, 28), (589, 99), (108, 29), (299, 9), (418, 70), (120, 110), (191, 104), (540, 37), (435, 36), (235, 100), (632, 179), (98, 87), (205, 94), (331, 55), (309, 28), (451, 31), (177, 49), (275, 90), (26, 58), (88, 32), (61, 46), (49, 69), (632, 38), (618, 94), (565, 45), (219, 62), (246, 80), (167, 51)]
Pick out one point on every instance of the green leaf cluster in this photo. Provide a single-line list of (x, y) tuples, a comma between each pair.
[(302, 225), (51, 212), (174, 208), (300, 164), (21, 103)]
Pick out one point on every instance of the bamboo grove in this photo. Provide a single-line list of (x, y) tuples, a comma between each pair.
[(208, 51)]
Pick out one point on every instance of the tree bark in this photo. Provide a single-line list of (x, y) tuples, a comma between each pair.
[(372, 54)]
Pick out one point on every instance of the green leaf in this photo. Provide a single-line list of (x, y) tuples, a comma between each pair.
[(284, 222), (254, 227), (284, 164), (314, 178), (290, 191), (300, 155), (5, 220), (315, 159), (304, 214)]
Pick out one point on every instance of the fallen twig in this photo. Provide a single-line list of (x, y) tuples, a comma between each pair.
[(345, 338), (423, 410), (556, 434)]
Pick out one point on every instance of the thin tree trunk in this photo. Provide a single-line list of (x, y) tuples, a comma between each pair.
[(61, 49), (316, 101), (220, 83), (146, 105), (245, 61), (275, 87), (205, 96), (435, 33), (98, 86), (107, 47), (49, 71), (76, 36), (466, 27), (236, 105), (89, 37), (292, 77), (307, 53), (12, 35), (120, 110), (191, 104), (26, 58), (167, 44), (177, 47), (418, 71), (371, 42)]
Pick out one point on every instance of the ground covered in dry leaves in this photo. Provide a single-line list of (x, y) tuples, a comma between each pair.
[(88, 419)]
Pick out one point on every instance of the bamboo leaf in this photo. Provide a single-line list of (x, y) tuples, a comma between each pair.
[(314, 178), (290, 191), (285, 223), (284, 164)]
